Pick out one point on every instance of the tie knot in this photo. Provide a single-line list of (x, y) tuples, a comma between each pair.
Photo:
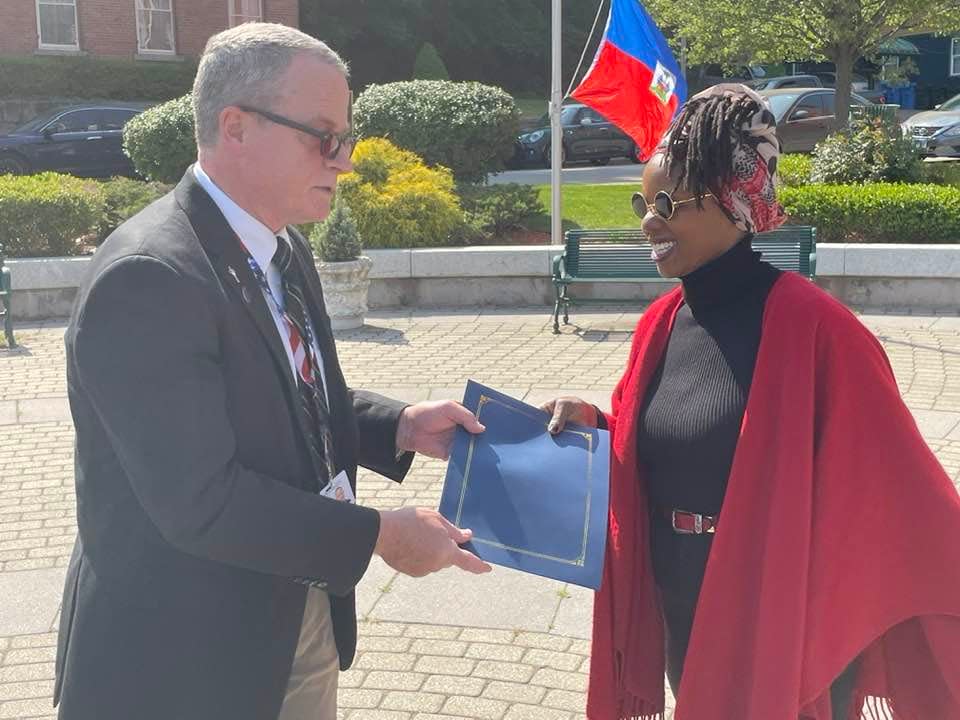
[(283, 255)]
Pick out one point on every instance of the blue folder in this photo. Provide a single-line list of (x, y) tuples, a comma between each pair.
[(535, 502)]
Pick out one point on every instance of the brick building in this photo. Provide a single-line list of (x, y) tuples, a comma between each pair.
[(141, 29)]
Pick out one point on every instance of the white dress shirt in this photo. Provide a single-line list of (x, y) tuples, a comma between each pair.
[(261, 242)]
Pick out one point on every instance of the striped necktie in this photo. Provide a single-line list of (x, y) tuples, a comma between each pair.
[(309, 382)]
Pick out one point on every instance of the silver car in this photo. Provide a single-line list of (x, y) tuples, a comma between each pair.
[(937, 132)]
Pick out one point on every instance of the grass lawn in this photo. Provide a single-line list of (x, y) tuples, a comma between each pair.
[(589, 206), (531, 108)]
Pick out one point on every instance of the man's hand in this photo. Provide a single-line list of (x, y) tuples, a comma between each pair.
[(417, 542), (428, 427)]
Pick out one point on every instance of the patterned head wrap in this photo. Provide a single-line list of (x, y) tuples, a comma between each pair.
[(749, 195)]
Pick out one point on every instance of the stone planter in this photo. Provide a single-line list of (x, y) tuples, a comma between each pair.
[(345, 286)]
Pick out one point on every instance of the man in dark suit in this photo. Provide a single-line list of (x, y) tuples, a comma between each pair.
[(214, 571)]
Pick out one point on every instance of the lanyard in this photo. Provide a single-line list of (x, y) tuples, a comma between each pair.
[(324, 429)]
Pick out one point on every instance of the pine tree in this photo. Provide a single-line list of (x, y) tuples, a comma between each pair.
[(429, 65), (337, 239)]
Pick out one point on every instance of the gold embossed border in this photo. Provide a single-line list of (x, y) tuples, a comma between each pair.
[(587, 437)]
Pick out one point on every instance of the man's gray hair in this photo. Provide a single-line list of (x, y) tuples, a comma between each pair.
[(243, 66)]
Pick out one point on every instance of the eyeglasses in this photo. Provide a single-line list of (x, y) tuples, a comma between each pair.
[(330, 143), (663, 204)]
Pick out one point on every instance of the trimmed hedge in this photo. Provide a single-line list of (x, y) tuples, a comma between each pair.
[(47, 215), (794, 170), (122, 199), (878, 213), (397, 201), (495, 209), (467, 127), (161, 141), (94, 77)]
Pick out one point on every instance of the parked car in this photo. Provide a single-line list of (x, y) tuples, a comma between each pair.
[(860, 85), (82, 140), (804, 116), (587, 135), (937, 132), (787, 81)]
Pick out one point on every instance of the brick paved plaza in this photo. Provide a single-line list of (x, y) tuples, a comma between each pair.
[(448, 646)]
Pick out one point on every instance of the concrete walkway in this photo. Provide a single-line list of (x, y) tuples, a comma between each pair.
[(448, 646)]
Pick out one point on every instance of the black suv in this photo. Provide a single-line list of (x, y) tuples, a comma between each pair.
[(83, 140), (587, 135)]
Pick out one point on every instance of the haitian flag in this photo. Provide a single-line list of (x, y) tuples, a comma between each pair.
[(634, 81)]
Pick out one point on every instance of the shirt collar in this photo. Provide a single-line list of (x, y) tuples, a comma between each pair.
[(260, 241)]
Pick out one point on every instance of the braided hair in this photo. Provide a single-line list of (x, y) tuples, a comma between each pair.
[(702, 140)]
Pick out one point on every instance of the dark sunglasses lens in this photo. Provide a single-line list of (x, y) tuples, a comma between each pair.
[(639, 205), (663, 204)]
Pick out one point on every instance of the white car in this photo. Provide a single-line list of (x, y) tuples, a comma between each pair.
[(937, 132)]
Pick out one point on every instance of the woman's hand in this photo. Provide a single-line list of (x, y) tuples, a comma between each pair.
[(571, 409)]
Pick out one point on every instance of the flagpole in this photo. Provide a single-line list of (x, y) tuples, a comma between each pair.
[(556, 131)]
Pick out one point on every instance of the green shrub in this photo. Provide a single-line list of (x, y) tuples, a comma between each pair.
[(794, 170), (870, 153), (105, 79), (47, 215), (336, 239), (161, 141), (879, 212), (941, 173), (429, 65), (122, 199), (498, 208), (396, 200), (467, 127)]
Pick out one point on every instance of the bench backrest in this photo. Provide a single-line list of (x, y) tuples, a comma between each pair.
[(625, 253)]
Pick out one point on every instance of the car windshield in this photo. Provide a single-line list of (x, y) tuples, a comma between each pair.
[(779, 104), (951, 104), (569, 114), (37, 123)]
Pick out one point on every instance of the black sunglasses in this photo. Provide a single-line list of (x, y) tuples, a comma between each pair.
[(330, 143), (663, 204)]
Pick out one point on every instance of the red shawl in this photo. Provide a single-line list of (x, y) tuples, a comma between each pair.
[(839, 536)]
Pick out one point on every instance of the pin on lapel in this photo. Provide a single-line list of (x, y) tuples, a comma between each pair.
[(243, 290)]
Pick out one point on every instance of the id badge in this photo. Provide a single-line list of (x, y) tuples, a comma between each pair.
[(339, 489)]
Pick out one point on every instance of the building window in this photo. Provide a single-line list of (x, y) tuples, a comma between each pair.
[(155, 26), (242, 11), (57, 24), (955, 57)]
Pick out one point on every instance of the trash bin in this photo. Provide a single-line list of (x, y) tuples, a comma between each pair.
[(908, 97)]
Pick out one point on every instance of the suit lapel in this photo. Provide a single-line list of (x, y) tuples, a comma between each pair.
[(229, 261)]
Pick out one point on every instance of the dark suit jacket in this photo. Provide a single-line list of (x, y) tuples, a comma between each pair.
[(196, 499)]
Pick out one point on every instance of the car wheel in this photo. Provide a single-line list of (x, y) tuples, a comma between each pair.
[(13, 165), (546, 156), (600, 161)]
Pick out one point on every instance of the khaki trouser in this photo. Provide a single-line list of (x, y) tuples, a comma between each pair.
[(312, 690)]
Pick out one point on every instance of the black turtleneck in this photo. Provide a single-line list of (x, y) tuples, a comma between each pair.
[(690, 421)]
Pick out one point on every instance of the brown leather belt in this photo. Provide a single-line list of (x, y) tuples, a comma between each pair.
[(688, 523)]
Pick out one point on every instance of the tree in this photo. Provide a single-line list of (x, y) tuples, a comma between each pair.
[(429, 65), (734, 32)]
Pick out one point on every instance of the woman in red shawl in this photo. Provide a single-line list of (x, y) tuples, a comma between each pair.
[(777, 522)]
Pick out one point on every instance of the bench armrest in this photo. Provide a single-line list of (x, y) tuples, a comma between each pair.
[(558, 266)]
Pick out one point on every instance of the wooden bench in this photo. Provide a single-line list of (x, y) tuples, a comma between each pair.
[(623, 256), (6, 301)]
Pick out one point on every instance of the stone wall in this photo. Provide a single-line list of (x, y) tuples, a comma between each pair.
[(916, 278)]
